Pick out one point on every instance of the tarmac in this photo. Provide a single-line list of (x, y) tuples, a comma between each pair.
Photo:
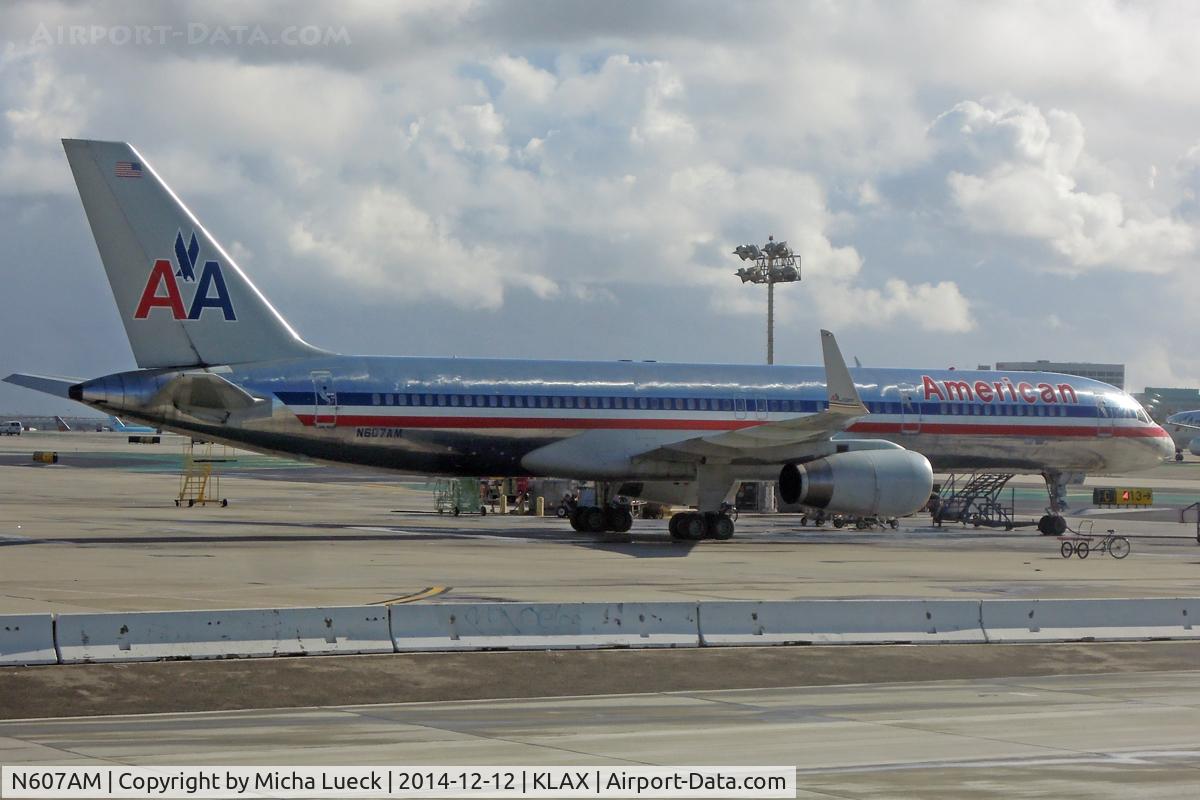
[(1069, 736), (100, 531)]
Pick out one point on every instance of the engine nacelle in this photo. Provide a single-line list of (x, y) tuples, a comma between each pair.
[(1194, 446), (868, 483)]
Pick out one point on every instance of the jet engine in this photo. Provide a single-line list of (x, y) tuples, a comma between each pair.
[(1194, 446), (883, 483)]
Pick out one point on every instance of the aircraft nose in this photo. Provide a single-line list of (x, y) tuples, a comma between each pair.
[(1165, 445)]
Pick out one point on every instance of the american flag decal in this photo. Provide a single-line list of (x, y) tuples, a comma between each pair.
[(128, 169)]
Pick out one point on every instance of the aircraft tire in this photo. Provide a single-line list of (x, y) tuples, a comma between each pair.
[(694, 527), (619, 521), (722, 528), (673, 526), (576, 519), (1058, 526), (593, 519)]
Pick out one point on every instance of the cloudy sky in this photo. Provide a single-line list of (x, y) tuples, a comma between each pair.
[(965, 182)]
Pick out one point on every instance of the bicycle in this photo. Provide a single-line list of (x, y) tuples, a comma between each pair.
[(1112, 543)]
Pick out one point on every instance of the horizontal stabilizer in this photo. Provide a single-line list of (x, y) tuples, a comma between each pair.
[(50, 384)]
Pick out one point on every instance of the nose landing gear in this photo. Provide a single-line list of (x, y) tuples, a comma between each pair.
[(1053, 523)]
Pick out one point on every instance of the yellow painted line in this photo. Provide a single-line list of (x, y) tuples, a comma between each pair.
[(424, 594)]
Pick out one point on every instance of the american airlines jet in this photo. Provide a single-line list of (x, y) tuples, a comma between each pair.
[(1184, 428), (218, 362)]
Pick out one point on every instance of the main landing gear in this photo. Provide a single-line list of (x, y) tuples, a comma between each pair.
[(593, 519), (695, 526)]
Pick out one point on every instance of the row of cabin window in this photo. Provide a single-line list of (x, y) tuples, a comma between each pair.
[(707, 404), (621, 403)]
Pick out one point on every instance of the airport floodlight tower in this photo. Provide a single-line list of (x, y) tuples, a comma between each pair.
[(774, 263)]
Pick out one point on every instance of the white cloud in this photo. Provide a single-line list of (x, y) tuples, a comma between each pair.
[(473, 155), (524, 84), (1023, 182), (393, 249), (938, 308)]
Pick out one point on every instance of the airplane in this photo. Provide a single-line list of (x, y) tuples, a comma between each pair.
[(1184, 428), (217, 361), (117, 425)]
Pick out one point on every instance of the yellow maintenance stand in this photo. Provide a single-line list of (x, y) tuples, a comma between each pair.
[(200, 481)]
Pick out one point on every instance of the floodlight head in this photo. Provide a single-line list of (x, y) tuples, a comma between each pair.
[(745, 274), (788, 274)]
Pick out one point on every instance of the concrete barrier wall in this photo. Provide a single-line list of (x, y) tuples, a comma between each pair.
[(146, 636), (27, 639), (474, 626), (232, 633), (1083, 620), (840, 622)]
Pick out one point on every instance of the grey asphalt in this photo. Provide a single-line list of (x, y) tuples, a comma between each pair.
[(124, 688), (1067, 736)]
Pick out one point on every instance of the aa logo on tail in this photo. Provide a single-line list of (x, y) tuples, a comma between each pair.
[(162, 285)]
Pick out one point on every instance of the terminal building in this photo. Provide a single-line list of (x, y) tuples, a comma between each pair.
[(1112, 374), (1161, 402)]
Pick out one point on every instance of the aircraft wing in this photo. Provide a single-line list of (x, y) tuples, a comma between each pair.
[(767, 441)]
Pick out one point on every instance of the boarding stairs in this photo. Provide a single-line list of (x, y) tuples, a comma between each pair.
[(200, 479), (975, 499)]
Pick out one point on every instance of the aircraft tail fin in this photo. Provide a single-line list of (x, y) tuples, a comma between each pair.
[(183, 300)]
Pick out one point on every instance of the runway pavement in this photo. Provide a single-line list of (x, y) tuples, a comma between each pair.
[(1070, 736), (100, 531)]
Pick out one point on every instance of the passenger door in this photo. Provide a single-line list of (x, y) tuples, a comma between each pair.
[(910, 411), (325, 402), (1104, 418)]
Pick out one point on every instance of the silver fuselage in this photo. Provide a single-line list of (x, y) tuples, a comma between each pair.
[(476, 417)]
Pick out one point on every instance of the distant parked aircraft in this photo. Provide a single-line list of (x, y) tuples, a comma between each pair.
[(1184, 429), (120, 427)]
